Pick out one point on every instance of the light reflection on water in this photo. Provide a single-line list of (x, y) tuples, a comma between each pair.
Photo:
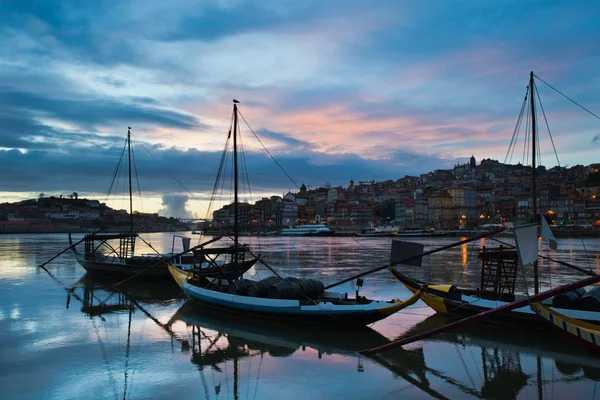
[(80, 338)]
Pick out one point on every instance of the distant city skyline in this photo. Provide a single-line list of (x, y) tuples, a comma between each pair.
[(335, 90)]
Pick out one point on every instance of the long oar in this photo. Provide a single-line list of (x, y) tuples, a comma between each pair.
[(486, 314), (67, 249), (405, 260)]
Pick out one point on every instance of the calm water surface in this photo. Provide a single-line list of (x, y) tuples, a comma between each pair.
[(66, 336)]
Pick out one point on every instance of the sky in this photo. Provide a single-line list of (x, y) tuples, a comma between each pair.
[(335, 90)]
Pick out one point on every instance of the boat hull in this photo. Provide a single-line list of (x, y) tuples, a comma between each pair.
[(324, 313), (586, 334), (121, 268), (446, 299), (151, 269)]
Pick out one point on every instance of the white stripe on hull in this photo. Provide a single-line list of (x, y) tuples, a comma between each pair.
[(276, 305)]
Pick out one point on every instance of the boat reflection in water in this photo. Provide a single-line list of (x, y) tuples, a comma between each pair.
[(239, 357), (497, 361), (483, 361), (99, 295), (219, 342)]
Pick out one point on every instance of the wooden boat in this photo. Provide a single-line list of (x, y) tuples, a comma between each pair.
[(303, 301), (331, 308), (113, 254), (499, 273), (451, 300), (117, 259), (209, 262)]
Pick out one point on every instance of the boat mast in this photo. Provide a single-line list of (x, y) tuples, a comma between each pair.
[(235, 181), (373, 203), (536, 283), (130, 192)]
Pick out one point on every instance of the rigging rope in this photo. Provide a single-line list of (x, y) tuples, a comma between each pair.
[(513, 140), (247, 175), (116, 171), (216, 185), (547, 125), (526, 142), (137, 179), (566, 97), (268, 152)]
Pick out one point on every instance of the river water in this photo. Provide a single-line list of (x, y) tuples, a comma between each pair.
[(66, 336)]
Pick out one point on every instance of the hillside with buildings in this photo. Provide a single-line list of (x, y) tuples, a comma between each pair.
[(71, 214), (464, 197)]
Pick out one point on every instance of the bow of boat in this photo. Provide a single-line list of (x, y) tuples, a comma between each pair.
[(180, 276)]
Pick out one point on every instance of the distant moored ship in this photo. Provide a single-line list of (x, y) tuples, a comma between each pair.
[(308, 230)]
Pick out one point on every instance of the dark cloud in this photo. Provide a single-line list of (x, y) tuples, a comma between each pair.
[(81, 29), (289, 142), (39, 170), (72, 71), (93, 113), (214, 21)]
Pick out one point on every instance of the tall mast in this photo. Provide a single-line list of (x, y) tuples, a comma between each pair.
[(130, 193), (235, 179), (536, 283), (373, 203)]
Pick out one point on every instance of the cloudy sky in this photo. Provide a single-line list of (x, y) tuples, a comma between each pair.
[(335, 90)]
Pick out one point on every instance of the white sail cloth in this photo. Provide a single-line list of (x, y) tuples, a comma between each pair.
[(546, 233), (527, 243)]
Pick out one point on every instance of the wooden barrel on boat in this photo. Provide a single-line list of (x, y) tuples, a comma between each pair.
[(240, 287), (570, 299), (311, 287), (261, 288), (591, 300), (285, 289)]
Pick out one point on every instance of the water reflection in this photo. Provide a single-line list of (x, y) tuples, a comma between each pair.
[(480, 362), (492, 361), (139, 342), (220, 343), (465, 256), (100, 296)]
